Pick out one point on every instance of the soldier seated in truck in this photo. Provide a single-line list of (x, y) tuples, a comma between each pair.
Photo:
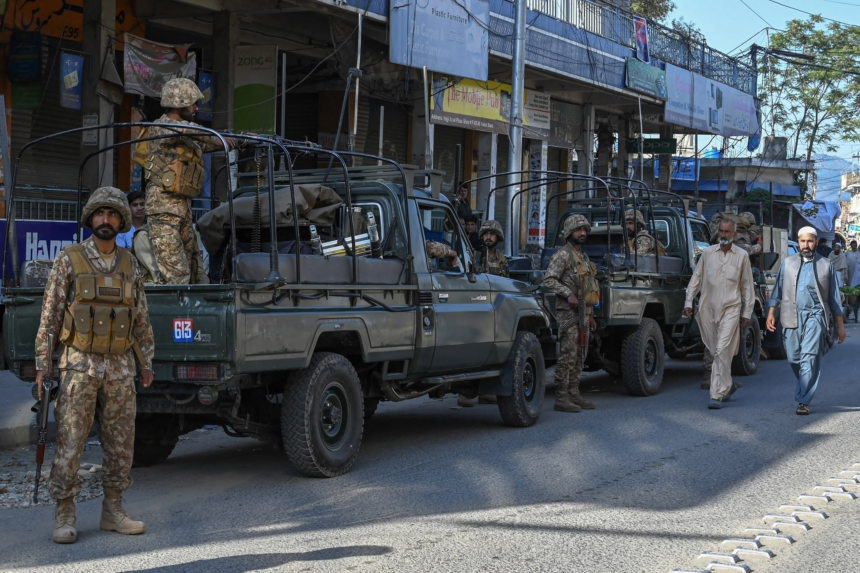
[(641, 242)]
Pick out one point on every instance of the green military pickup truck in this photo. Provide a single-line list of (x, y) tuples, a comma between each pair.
[(300, 342), (640, 314)]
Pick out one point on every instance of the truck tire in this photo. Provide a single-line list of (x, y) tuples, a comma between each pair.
[(525, 368), (643, 359), (322, 416), (155, 436), (745, 362)]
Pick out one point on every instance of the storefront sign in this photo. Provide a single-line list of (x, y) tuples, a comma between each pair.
[(91, 136), (149, 65), (26, 96), (25, 57), (655, 146), (42, 240), (705, 105), (65, 18), (485, 106), (646, 79), (254, 95), (538, 152), (565, 125), (447, 36), (71, 68), (205, 82)]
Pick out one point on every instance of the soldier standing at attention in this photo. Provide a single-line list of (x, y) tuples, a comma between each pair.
[(640, 241), (174, 170), (94, 304), (572, 277)]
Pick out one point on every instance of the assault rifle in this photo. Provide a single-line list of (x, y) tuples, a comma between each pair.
[(44, 404), (583, 325)]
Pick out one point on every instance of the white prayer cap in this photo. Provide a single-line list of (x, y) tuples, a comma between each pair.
[(807, 231)]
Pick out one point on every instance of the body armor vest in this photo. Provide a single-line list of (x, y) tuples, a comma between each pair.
[(586, 276), (183, 176), (100, 318), (494, 264)]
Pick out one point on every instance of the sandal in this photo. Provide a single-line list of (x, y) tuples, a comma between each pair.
[(802, 410)]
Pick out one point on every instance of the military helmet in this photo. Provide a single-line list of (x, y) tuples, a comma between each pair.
[(109, 197), (492, 227), (748, 217), (631, 214), (179, 93), (573, 223)]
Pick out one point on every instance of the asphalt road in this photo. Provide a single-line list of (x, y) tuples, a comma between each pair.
[(640, 484)]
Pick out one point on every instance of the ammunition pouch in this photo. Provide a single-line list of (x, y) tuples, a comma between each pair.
[(183, 176)]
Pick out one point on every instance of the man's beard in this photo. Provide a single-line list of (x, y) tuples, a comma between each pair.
[(489, 243), (105, 232), (724, 242), (577, 240), (186, 115), (807, 254)]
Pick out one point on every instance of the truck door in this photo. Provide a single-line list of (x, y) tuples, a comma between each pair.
[(464, 318)]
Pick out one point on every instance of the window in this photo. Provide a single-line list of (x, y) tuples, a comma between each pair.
[(440, 226), (701, 237), (661, 230)]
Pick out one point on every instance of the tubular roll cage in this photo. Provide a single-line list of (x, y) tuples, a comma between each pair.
[(267, 143)]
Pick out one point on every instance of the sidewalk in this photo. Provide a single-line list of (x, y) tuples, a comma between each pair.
[(18, 426)]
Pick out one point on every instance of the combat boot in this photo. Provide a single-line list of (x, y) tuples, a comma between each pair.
[(114, 517), (565, 405), (582, 402), (64, 521)]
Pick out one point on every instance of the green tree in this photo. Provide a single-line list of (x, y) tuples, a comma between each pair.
[(656, 10), (813, 102)]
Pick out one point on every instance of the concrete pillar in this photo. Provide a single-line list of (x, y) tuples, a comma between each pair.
[(585, 164), (620, 168), (226, 29), (664, 176), (419, 141), (99, 29), (488, 144)]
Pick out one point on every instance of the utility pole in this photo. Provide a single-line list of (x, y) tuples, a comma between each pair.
[(518, 85)]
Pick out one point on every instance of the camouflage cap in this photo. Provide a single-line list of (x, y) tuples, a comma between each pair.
[(748, 217), (109, 197), (492, 227), (573, 223), (632, 214), (179, 93)]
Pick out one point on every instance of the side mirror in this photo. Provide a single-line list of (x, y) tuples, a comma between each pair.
[(471, 274), (756, 273)]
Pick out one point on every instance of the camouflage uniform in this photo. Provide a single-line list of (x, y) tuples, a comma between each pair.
[(748, 240), (563, 278), (169, 214), (643, 243), (86, 378), (437, 250), (495, 261)]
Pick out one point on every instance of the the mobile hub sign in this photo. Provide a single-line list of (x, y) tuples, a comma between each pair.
[(447, 36)]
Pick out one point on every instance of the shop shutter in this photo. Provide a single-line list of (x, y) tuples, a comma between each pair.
[(445, 144), (302, 123), (53, 164), (395, 131)]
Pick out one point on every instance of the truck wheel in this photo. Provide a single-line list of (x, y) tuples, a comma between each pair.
[(643, 359), (525, 368), (322, 416), (745, 362), (155, 436)]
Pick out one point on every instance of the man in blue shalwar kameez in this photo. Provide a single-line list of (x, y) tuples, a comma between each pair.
[(806, 292)]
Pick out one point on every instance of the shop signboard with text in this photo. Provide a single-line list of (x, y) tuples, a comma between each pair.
[(255, 93), (645, 78)]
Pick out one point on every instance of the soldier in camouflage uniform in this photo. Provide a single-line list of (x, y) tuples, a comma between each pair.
[(572, 277), (437, 250), (748, 239), (174, 173), (640, 241), (494, 260), (93, 298)]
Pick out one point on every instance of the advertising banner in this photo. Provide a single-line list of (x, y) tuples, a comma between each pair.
[(447, 36), (65, 18), (686, 168), (25, 57), (538, 152), (71, 68), (565, 124), (640, 27), (646, 79), (205, 82), (486, 106), (41, 240), (147, 65), (254, 94), (706, 105)]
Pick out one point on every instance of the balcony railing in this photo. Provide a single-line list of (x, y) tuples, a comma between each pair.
[(666, 44)]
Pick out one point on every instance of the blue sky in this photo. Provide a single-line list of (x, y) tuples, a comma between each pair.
[(731, 26)]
